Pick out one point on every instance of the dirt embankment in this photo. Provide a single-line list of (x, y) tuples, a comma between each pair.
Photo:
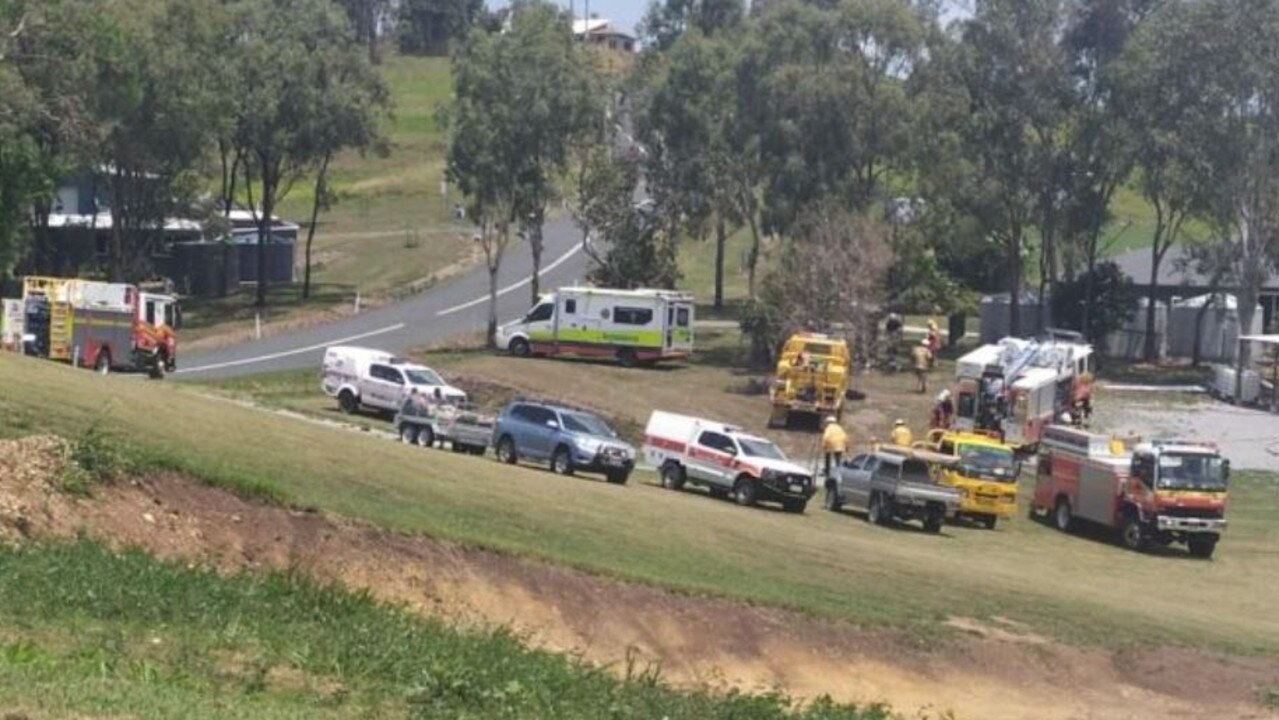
[(993, 671)]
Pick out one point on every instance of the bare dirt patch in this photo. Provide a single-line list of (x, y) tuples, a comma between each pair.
[(992, 670)]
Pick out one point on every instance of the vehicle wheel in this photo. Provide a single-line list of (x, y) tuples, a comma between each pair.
[(347, 401), (744, 492), (520, 348), (426, 436), (1201, 546), (875, 511), (506, 450), (831, 501), (1132, 534), (672, 476), (102, 365), (1062, 517), (618, 477), (988, 521), (157, 370), (562, 461), (933, 521), (626, 358), (794, 506), (408, 434)]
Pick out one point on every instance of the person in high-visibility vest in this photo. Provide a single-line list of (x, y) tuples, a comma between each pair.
[(834, 443), (923, 359), (901, 434)]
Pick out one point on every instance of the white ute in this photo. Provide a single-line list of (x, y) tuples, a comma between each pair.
[(363, 377), (725, 460)]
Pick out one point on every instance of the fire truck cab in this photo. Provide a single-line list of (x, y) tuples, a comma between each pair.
[(1150, 493)]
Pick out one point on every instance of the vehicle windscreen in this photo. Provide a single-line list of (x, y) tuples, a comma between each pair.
[(915, 471), (988, 460), (425, 376), (1191, 472), (760, 449), (587, 424), (818, 349)]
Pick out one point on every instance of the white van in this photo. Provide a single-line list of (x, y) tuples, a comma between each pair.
[(631, 326), (363, 377)]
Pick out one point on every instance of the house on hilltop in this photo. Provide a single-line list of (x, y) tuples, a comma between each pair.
[(601, 32)]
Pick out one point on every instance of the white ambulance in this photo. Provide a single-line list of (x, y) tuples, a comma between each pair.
[(630, 326)]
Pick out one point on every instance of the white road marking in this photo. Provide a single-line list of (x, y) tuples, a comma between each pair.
[(288, 353), (577, 247)]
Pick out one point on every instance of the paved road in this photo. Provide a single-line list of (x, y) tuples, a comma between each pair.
[(1249, 437), (455, 307)]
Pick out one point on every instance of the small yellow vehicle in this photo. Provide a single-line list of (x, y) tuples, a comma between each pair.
[(985, 473), (812, 378)]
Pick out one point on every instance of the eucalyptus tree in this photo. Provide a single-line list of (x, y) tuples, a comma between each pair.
[(302, 90)]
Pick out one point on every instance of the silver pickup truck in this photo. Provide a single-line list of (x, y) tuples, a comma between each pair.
[(890, 485), (426, 425)]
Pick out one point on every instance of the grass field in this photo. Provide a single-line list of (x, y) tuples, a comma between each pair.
[(1074, 588), (89, 633)]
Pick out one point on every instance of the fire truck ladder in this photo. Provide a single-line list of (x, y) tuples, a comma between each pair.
[(1014, 366), (57, 293), (61, 321)]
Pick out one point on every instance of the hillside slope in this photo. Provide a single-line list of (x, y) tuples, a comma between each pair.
[(1073, 588)]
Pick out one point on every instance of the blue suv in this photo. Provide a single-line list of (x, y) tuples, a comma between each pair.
[(567, 439)]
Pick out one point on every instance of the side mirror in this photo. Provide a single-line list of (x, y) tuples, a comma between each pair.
[(552, 424), (1225, 469), (732, 450)]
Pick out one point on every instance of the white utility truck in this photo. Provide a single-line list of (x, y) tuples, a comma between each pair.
[(630, 326), (363, 377), (724, 459)]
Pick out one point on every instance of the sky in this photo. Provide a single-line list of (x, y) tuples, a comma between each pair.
[(627, 13)]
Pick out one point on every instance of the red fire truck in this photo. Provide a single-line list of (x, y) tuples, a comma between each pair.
[(105, 326), (1151, 493)]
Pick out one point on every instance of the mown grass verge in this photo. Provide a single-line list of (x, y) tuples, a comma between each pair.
[(87, 631), (1075, 588)]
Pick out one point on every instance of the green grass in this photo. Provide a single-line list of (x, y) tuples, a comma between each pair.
[(1077, 589), (85, 631)]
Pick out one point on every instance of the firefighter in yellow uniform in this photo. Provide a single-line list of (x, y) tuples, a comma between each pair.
[(834, 443), (902, 435), (923, 359)]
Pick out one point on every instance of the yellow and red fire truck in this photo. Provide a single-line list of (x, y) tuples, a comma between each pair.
[(104, 326), (1150, 493)]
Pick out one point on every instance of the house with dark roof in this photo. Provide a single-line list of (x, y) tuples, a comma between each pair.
[(1178, 278)]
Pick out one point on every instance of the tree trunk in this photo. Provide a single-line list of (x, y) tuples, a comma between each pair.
[(721, 241), (1014, 286), (752, 258), (115, 249), (264, 229), (1150, 348), (1085, 324), (535, 243), (490, 333), (321, 183)]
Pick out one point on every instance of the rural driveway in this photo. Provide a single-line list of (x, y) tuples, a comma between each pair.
[(455, 307), (1249, 437)]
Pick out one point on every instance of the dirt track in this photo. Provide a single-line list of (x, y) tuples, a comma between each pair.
[(990, 672)]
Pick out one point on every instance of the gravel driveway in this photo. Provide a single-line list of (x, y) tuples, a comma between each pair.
[(1249, 437)]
